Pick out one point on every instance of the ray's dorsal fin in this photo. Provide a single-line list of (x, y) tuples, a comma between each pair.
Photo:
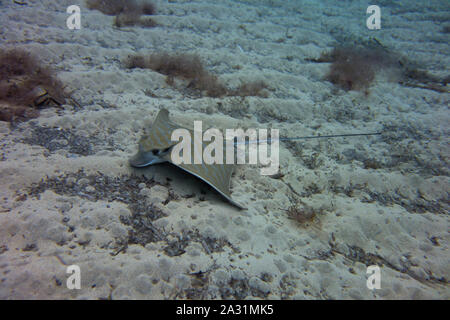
[(162, 116), (158, 137)]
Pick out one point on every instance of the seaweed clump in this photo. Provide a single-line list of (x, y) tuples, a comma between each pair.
[(133, 19), (413, 77), (185, 66), (301, 215), (248, 89), (126, 12), (190, 67), (26, 85), (115, 7), (354, 68)]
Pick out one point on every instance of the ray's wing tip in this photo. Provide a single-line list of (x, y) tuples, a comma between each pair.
[(239, 206)]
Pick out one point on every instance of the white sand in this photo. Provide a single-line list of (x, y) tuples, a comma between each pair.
[(395, 216)]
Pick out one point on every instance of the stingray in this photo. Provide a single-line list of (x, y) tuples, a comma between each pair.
[(156, 146)]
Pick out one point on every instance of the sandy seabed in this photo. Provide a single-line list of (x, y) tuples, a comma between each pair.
[(69, 197)]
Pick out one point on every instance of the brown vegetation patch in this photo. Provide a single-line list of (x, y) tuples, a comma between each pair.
[(127, 12), (191, 68), (355, 68), (26, 85)]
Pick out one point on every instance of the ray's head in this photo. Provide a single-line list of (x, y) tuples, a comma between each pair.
[(145, 158)]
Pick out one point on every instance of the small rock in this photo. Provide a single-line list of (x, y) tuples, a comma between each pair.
[(257, 284), (243, 235), (141, 185), (143, 284), (83, 181), (158, 194), (90, 189), (221, 277)]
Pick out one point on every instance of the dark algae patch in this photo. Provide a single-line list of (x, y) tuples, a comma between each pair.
[(125, 189), (106, 188), (54, 139)]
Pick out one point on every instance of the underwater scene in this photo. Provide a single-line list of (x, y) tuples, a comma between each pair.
[(224, 150)]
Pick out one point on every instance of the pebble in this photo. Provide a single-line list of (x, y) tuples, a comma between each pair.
[(83, 181), (143, 284), (221, 277), (257, 284), (243, 235), (142, 185), (90, 189)]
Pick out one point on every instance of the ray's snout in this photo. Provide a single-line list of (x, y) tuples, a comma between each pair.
[(143, 159)]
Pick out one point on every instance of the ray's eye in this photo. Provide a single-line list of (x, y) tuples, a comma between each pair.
[(157, 152)]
